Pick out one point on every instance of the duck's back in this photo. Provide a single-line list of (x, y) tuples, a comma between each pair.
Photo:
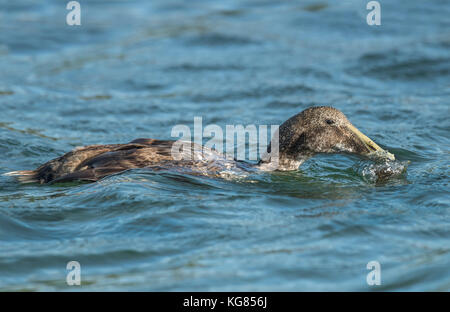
[(94, 162)]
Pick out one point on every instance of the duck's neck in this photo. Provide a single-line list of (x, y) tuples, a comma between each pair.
[(283, 164), (291, 148)]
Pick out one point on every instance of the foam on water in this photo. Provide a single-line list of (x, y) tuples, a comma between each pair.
[(382, 170)]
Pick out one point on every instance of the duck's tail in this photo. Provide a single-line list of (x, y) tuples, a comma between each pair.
[(24, 176)]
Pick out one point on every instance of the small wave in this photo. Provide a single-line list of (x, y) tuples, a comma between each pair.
[(398, 65), (220, 40)]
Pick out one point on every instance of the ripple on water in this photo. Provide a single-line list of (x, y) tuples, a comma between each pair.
[(239, 62)]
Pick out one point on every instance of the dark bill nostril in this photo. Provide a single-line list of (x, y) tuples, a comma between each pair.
[(371, 147)]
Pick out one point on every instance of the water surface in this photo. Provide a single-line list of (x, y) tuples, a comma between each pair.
[(137, 68)]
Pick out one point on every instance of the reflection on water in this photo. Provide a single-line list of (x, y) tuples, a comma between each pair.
[(137, 68)]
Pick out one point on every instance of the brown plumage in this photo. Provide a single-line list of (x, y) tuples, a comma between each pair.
[(315, 130)]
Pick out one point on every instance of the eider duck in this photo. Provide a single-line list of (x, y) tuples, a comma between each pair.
[(315, 130)]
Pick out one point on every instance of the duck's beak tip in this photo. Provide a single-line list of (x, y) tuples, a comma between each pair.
[(383, 155), (376, 151)]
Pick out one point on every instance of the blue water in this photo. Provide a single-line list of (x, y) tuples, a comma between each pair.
[(137, 68)]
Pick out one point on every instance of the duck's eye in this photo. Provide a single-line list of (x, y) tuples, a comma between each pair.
[(330, 122)]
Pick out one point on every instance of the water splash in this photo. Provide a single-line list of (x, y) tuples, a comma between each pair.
[(382, 171)]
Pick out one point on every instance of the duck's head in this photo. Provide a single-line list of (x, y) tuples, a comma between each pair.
[(323, 130)]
